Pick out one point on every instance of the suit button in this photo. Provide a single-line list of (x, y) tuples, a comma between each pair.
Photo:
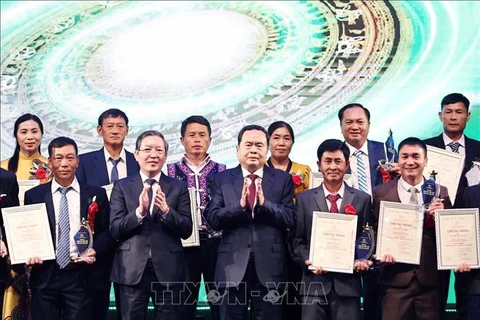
[(249, 246), (147, 245)]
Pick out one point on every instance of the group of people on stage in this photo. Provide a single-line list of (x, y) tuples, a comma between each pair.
[(254, 224)]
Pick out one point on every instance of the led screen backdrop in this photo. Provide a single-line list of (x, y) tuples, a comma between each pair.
[(236, 63)]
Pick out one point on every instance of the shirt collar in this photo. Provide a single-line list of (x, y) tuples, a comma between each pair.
[(259, 172), (352, 149), (156, 177), (122, 156), (74, 185), (340, 191), (193, 166), (406, 186), (447, 140)]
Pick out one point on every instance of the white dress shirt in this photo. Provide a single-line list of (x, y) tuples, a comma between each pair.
[(403, 188), (121, 165), (340, 192), (73, 198), (155, 187), (259, 174), (447, 140), (366, 164)]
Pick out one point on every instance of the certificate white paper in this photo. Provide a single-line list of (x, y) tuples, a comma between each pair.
[(194, 239), (458, 239), (28, 233), (108, 189), (400, 228), (24, 186), (316, 179), (332, 242), (449, 167)]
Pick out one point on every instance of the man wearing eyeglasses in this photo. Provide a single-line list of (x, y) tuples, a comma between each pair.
[(150, 214)]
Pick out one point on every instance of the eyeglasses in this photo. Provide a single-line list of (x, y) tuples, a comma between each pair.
[(158, 152)]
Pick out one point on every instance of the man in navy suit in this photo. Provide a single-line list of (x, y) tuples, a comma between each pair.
[(364, 160), (104, 167), (253, 205), (8, 198), (150, 214), (63, 288), (112, 162), (454, 116), (339, 293)]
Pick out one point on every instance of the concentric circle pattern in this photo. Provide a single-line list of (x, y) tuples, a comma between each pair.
[(235, 62)]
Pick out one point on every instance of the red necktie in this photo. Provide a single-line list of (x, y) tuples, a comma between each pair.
[(252, 191), (333, 200)]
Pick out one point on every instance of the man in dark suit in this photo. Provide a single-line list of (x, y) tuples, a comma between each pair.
[(330, 295), (104, 167), (363, 163), (8, 198), (63, 288), (253, 205), (454, 116), (112, 162), (412, 291), (471, 199), (150, 214)]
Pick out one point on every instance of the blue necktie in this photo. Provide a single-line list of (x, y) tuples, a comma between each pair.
[(114, 172), (362, 173), (454, 146), (63, 248)]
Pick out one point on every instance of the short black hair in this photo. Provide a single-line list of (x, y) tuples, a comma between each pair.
[(150, 133), (60, 142), (454, 98), (413, 141), (195, 119), (333, 145), (112, 113), (352, 105), (280, 124), (249, 128)]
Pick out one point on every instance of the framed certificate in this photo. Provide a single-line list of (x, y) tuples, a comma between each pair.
[(400, 228), (28, 233), (458, 238), (194, 239), (449, 167), (332, 243), (316, 179), (108, 189), (24, 186)]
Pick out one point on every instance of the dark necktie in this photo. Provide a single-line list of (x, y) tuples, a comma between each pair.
[(114, 172), (63, 246), (454, 146), (333, 200), (150, 182), (252, 191)]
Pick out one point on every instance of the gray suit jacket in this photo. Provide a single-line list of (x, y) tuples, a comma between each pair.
[(160, 236), (347, 285)]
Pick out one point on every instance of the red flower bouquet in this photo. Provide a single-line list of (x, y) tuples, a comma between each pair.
[(92, 211)]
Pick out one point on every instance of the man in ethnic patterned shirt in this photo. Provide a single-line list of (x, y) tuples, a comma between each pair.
[(196, 169)]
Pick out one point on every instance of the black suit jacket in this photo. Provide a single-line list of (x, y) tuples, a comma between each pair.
[(8, 198), (348, 285), (400, 274), (91, 276), (264, 235), (92, 168), (471, 199), (472, 152), (160, 235)]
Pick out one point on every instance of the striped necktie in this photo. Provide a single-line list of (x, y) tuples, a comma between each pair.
[(454, 146), (63, 247), (361, 172)]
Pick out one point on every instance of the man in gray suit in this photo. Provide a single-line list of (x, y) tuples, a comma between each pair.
[(330, 295), (150, 213)]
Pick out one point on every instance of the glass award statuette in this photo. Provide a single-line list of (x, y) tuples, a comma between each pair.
[(83, 238), (430, 190), (364, 244), (390, 147)]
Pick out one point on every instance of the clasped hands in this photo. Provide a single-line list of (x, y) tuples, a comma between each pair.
[(160, 200), (359, 265), (246, 192)]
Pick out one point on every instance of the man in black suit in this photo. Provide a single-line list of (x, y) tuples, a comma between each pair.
[(454, 116), (330, 295), (63, 288), (8, 198), (471, 199), (103, 167), (253, 205), (150, 214)]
